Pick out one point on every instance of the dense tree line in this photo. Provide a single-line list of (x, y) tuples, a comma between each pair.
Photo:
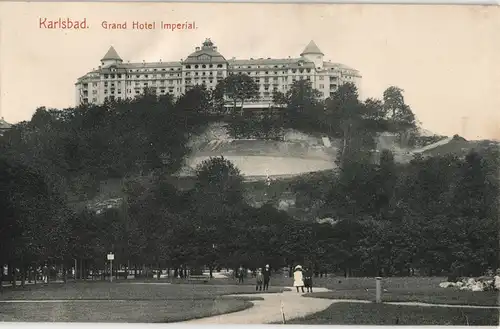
[(432, 216)]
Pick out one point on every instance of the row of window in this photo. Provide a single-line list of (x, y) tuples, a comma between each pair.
[(146, 76), (204, 66), (265, 94), (265, 81)]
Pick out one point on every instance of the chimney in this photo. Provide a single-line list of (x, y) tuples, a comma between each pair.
[(197, 48)]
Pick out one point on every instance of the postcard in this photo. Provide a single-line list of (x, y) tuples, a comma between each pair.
[(248, 163)]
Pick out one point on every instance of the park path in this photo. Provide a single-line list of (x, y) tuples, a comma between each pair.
[(269, 310), (295, 305)]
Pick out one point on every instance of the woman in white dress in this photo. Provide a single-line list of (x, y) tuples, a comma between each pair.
[(298, 278)]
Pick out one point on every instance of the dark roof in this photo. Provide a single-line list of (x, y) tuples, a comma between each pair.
[(207, 49), (311, 48), (111, 55)]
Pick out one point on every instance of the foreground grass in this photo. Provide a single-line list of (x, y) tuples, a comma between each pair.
[(100, 290), (121, 302), (384, 314), (154, 311)]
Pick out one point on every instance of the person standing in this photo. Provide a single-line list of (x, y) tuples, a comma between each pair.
[(298, 278), (240, 274), (308, 279), (260, 278), (267, 277)]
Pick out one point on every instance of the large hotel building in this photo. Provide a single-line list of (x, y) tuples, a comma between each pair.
[(115, 79)]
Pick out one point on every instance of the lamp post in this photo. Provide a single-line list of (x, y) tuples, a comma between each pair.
[(111, 256), (378, 289)]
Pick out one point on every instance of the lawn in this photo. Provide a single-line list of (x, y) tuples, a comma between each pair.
[(411, 289), (398, 289), (121, 302), (384, 314)]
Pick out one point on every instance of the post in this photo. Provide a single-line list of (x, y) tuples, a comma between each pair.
[(110, 258), (378, 289), (76, 262)]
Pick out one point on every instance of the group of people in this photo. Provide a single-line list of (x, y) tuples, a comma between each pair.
[(303, 278), (263, 276)]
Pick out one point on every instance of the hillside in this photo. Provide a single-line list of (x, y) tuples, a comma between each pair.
[(299, 157), (460, 147)]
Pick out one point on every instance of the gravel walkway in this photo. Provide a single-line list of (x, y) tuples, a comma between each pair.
[(269, 310)]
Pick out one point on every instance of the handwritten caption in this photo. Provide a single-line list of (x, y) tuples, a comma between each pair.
[(82, 24)]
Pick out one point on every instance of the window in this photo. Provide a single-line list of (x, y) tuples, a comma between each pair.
[(188, 66), (196, 66), (204, 66), (219, 65), (321, 86)]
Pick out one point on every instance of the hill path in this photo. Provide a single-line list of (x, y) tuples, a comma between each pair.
[(269, 310)]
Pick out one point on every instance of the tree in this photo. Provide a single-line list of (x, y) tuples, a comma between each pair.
[(303, 104), (219, 182), (401, 117), (194, 107), (34, 218), (238, 88), (345, 110)]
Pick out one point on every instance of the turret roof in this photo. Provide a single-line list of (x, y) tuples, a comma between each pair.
[(311, 48), (111, 54)]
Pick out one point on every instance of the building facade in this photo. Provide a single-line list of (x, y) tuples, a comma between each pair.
[(114, 79)]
